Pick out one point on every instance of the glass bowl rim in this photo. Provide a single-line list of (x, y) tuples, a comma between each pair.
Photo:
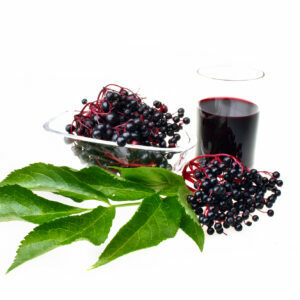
[(191, 144)]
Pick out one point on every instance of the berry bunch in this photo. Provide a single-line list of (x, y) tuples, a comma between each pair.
[(226, 193), (121, 116)]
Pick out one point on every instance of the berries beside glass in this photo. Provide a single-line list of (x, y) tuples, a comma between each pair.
[(227, 194)]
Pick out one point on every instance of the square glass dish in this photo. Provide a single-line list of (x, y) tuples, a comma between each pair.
[(107, 154)]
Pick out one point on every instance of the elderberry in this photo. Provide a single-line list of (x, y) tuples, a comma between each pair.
[(121, 141), (70, 128), (186, 120), (226, 193), (210, 231), (119, 108)]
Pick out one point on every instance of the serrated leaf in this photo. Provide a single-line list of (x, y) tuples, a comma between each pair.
[(163, 181), (156, 178), (18, 203), (183, 192), (93, 226), (113, 186), (167, 183), (46, 177), (192, 229), (155, 220)]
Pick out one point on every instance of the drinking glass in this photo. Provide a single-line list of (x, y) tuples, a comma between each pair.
[(228, 111)]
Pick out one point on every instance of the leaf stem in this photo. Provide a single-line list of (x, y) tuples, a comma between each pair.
[(127, 204)]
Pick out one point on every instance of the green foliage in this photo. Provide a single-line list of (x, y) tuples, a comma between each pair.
[(93, 226), (163, 181), (156, 220), (158, 179), (113, 186), (162, 212), (18, 203), (46, 177), (192, 229)]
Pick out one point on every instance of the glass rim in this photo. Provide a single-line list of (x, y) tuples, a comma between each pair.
[(230, 73)]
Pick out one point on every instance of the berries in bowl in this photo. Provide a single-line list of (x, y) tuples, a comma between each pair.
[(120, 129)]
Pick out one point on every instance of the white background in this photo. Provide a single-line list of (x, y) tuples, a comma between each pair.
[(53, 53)]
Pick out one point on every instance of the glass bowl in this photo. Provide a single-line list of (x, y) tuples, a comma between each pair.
[(107, 154)]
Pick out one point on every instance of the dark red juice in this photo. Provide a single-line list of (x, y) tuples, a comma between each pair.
[(228, 125)]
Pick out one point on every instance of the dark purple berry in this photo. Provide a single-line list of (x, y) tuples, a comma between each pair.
[(186, 120)]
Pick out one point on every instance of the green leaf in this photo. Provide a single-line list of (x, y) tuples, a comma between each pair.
[(113, 186), (18, 203), (192, 229), (93, 226), (155, 220), (46, 177), (168, 183), (183, 192), (163, 181), (157, 179), (189, 221)]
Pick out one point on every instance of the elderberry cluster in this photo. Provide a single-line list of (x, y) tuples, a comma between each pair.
[(122, 117), (227, 194)]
